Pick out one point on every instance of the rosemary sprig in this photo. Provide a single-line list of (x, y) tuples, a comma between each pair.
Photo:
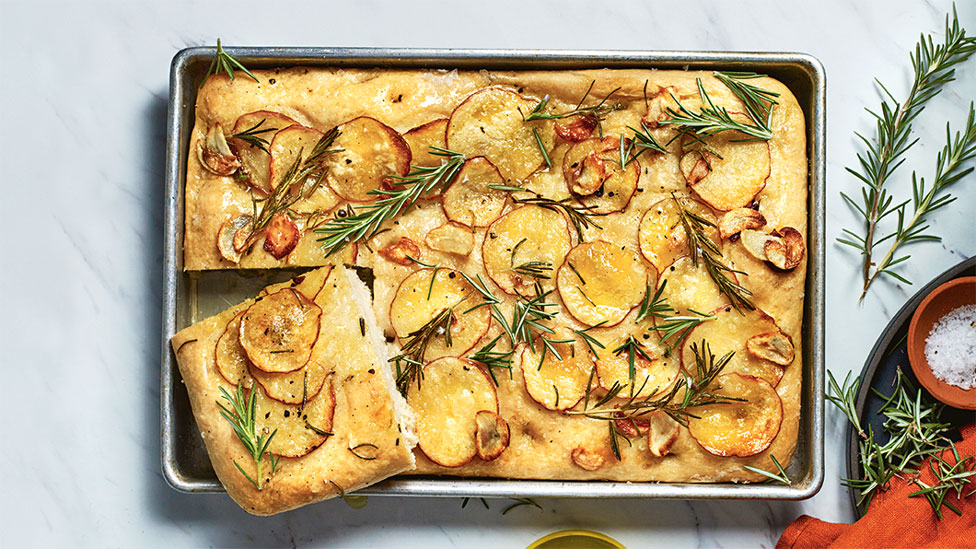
[(633, 349), (672, 327), (521, 502), (948, 169), (949, 478), (241, 415), (591, 342), (409, 363), (713, 119), (780, 476), (225, 62), (705, 251), (367, 219), (492, 359), (598, 112), (934, 67), (542, 147), (252, 136), (535, 269), (579, 216), (642, 141)]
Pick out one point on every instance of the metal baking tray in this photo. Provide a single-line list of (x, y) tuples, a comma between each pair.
[(188, 297)]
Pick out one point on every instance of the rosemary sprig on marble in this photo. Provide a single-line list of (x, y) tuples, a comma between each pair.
[(933, 67), (579, 216), (241, 414), (948, 169), (252, 136), (706, 252), (712, 119), (409, 363), (779, 476), (367, 219), (225, 63)]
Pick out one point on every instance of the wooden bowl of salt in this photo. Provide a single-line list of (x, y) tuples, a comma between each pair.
[(942, 343)]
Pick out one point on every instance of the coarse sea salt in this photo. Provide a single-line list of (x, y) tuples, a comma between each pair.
[(950, 347)]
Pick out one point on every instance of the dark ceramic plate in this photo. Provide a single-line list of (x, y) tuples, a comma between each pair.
[(890, 352)]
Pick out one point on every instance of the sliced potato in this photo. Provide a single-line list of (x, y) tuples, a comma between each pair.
[(281, 236), (662, 432), (661, 234), (229, 356), (298, 430), (690, 288), (422, 296), (592, 170), (651, 377), (724, 173), (491, 436), (279, 330), (451, 393), (422, 138), (451, 238), (601, 282), (738, 428), (491, 123), (227, 235), (290, 145), (587, 460), (731, 331), (549, 182), (295, 387), (738, 220), (529, 235), (215, 153), (401, 252), (469, 200), (371, 153), (556, 383), (576, 128), (255, 161)]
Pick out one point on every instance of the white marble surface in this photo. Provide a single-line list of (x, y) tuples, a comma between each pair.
[(84, 93)]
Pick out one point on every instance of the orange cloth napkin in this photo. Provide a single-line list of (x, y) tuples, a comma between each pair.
[(896, 520)]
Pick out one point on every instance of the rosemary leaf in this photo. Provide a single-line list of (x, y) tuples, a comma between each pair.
[(225, 62)]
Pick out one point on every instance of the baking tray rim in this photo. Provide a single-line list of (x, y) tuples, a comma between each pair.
[(814, 313)]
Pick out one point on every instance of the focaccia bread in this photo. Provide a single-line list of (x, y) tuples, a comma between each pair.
[(531, 289), (337, 420)]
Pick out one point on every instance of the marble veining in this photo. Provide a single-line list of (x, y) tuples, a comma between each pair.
[(85, 92)]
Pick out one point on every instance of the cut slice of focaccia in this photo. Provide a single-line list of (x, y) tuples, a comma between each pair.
[(293, 395)]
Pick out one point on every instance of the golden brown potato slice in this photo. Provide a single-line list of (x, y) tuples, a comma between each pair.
[(451, 393), (556, 383), (601, 282), (290, 145), (724, 173), (651, 377), (732, 331), (279, 330), (661, 235), (523, 238), (491, 123), (422, 296), (690, 288), (592, 170), (469, 200), (255, 161), (422, 138), (299, 429), (372, 155), (738, 428), (230, 358), (295, 387), (492, 435), (549, 182)]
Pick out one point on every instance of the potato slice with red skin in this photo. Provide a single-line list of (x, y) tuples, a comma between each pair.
[(491, 436), (279, 330), (529, 234), (662, 236), (575, 128), (293, 387), (451, 238), (281, 236), (601, 282), (299, 429), (662, 433), (290, 145), (227, 236), (592, 171), (491, 123), (371, 153), (411, 310), (739, 429), (451, 393), (422, 138), (229, 357), (255, 162), (689, 287), (556, 383), (726, 174), (731, 331), (469, 200), (651, 377)]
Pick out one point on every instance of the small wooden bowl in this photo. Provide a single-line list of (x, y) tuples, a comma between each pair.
[(942, 300)]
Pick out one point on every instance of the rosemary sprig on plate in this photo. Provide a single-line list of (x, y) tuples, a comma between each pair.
[(225, 62), (934, 67), (706, 252), (241, 414), (579, 216), (252, 136), (409, 363), (712, 119), (948, 169), (367, 219), (672, 327)]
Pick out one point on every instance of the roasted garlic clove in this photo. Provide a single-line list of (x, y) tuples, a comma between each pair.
[(215, 153), (401, 252), (787, 252), (775, 347), (491, 436), (739, 219), (587, 460)]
